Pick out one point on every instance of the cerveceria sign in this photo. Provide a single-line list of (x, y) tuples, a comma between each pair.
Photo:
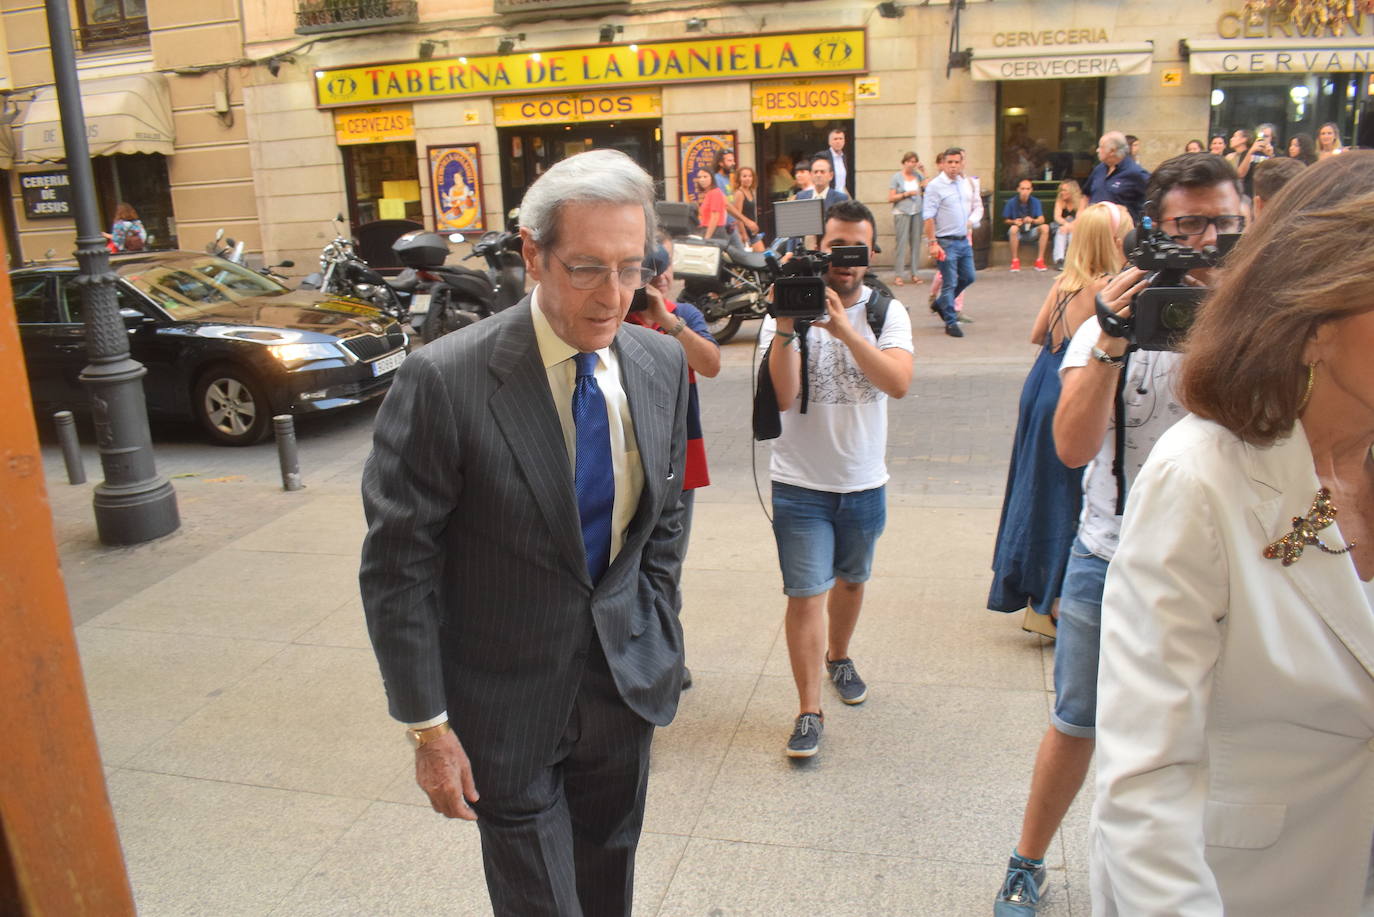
[(712, 59)]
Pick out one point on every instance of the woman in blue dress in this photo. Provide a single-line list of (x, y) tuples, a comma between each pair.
[(1043, 498)]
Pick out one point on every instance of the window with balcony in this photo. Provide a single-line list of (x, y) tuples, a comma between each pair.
[(335, 15), (112, 23)]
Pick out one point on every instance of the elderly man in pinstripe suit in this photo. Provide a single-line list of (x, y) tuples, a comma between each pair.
[(519, 575)]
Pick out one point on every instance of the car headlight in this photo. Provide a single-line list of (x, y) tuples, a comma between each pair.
[(295, 354)]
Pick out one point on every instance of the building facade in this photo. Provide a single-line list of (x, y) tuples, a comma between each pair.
[(439, 113)]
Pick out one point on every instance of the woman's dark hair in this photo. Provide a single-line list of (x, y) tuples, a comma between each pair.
[(1307, 261), (125, 211), (1186, 170), (1307, 148)]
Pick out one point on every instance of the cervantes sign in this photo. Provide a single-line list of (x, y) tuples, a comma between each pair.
[(701, 60)]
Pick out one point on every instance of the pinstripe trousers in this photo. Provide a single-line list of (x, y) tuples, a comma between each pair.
[(564, 846)]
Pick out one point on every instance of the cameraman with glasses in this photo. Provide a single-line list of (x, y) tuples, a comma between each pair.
[(1192, 198)]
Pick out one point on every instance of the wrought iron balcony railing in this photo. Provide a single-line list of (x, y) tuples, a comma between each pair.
[(336, 15)]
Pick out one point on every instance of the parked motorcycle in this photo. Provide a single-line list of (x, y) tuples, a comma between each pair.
[(343, 273), (225, 247), (443, 297), (505, 266)]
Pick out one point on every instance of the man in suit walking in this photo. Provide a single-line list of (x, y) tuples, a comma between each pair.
[(520, 570)]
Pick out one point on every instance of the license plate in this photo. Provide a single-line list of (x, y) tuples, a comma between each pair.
[(388, 363), (419, 303)]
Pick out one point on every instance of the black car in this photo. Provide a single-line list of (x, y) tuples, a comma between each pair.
[(222, 343)]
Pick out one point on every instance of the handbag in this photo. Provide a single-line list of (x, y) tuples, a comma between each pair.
[(767, 417)]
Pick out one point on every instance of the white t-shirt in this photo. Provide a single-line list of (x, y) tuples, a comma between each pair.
[(1151, 408), (839, 444)]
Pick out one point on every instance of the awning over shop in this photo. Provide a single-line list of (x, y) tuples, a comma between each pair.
[(127, 114), (1281, 55), (1063, 62)]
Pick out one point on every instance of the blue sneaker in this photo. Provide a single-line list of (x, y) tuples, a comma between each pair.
[(1022, 889), (847, 681)]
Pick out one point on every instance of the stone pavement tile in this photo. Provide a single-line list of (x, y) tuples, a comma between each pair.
[(927, 771), (688, 753), (205, 847), (320, 525), (934, 631), (935, 541), (729, 879), (733, 536), (345, 626), (141, 685), (313, 719), (399, 860), (730, 618), (233, 593)]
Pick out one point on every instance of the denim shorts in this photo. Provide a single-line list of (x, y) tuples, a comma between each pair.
[(823, 536), (1077, 642)]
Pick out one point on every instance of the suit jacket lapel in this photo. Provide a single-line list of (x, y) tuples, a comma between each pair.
[(524, 410), (1328, 583)]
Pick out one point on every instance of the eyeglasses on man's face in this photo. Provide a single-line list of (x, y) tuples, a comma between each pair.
[(591, 276), (1196, 224)]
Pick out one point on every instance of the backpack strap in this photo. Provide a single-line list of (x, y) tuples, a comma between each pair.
[(878, 303)]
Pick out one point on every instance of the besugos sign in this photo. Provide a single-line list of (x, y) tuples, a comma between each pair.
[(803, 100), (698, 60)]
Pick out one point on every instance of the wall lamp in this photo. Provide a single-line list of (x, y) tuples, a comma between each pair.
[(507, 43), (889, 9), (609, 32), (696, 24), (430, 45), (274, 64)]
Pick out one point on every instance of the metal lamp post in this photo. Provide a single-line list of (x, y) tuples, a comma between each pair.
[(134, 504)]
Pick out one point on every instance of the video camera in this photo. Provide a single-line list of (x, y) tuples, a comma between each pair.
[(799, 290), (1162, 313)]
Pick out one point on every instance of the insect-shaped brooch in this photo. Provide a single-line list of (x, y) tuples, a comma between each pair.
[(1305, 528)]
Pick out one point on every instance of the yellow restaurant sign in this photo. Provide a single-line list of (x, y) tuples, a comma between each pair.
[(803, 100), (579, 106), (374, 124), (706, 59)]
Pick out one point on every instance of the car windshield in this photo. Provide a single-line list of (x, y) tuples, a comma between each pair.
[(188, 287)]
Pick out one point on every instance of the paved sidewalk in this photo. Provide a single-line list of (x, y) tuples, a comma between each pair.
[(254, 771)]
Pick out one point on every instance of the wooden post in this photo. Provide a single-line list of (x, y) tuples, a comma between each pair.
[(59, 853)]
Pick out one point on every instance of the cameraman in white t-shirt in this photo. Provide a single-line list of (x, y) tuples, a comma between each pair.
[(828, 467)]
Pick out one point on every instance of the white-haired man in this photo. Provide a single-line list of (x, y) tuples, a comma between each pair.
[(520, 570), (1117, 177)]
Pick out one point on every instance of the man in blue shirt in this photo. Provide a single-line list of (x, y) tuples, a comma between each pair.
[(948, 211), (1025, 219), (1117, 177)]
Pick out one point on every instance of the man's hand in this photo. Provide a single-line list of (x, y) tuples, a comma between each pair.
[(836, 320), (443, 771), (1118, 295)]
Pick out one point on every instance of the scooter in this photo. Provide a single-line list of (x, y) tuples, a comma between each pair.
[(444, 298), (225, 247), (734, 291), (505, 266)]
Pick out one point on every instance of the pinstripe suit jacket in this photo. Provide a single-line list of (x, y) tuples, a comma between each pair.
[(474, 578)]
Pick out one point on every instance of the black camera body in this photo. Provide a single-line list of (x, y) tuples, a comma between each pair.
[(1162, 313), (799, 291)]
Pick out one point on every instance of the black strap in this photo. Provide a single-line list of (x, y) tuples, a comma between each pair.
[(1061, 306), (1119, 457)]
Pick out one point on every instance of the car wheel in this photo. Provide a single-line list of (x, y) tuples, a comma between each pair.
[(230, 405)]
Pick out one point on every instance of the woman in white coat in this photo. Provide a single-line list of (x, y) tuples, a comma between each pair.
[(1235, 723)]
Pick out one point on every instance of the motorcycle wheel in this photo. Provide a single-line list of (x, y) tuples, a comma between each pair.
[(725, 327), (444, 316)]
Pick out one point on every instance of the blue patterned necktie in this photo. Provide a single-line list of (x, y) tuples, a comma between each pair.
[(594, 475)]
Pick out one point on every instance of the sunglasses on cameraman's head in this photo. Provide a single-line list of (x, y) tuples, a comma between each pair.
[(1196, 224)]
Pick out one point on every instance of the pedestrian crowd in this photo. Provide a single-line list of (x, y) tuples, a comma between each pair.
[(1192, 522)]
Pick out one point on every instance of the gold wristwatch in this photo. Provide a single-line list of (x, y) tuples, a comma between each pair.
[(422, 737)]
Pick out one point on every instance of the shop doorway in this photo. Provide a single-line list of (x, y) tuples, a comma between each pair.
[(141, 180), (528, 152), (382, 182), (778, 147), (1295, 104), (1047, 131)]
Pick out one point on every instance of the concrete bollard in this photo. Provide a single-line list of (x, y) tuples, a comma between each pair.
[(71, 447), (285, 429)]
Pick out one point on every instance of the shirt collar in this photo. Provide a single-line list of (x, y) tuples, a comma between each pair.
[(552, 348)]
